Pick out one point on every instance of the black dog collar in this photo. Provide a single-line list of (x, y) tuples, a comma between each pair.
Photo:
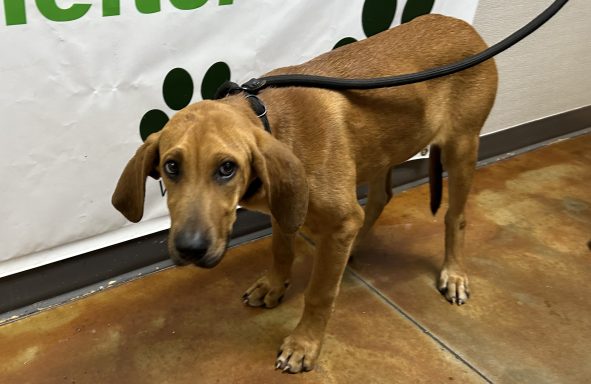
[(257, 105)]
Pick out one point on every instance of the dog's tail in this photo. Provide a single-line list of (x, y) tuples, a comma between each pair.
[(435, 177)]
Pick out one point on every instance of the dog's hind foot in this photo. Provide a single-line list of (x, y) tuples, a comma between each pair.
[(453, 284), (265, 292)]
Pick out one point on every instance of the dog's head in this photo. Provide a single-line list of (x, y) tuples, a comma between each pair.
[(208, 156)]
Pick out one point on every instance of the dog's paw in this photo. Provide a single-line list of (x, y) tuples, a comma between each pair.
[(297, 354), (453, 284), (265, 292)]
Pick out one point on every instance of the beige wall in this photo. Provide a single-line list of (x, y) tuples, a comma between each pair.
[(547, 73)]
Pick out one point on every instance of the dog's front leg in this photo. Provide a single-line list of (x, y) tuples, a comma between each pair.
[(300, 350), (269, 289)]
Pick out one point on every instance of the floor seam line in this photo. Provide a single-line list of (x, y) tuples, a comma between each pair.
[(424, 329)]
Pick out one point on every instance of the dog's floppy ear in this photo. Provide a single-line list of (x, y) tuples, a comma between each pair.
[(284, 179), (129, 194)]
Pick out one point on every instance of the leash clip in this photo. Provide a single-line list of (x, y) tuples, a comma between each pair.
[(253, 86)]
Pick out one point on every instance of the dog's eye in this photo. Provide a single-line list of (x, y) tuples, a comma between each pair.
[(171, 168), (226, 170)]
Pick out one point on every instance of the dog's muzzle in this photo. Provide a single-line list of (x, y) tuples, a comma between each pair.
[(192, 248)]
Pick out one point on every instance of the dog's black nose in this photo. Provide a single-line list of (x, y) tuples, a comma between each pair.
[(191, 245)]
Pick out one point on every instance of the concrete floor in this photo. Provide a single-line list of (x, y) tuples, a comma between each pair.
[(528, 321)]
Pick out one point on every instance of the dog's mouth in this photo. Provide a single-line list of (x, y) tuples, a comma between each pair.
[(209, 260)]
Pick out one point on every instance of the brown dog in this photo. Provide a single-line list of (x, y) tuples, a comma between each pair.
[(214, 155)]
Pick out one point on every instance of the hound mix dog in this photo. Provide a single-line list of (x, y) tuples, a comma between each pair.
[(214, 155)]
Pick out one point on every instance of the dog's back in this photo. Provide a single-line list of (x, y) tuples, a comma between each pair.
[(425, 42), (389, 125)]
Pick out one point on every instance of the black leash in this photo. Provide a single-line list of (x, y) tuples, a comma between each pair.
[(253, 86)]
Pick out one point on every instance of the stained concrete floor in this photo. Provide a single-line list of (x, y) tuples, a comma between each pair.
[(528, 321)]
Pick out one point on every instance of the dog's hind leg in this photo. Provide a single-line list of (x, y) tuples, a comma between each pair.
[(459, 159), (269, 290), (379, 194)]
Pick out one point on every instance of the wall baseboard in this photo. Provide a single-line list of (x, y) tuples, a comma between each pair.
[(27, 292)]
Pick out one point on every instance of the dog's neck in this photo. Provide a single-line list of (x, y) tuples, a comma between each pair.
[(273, 107)]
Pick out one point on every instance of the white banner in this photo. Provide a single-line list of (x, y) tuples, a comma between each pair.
[(82, 81)]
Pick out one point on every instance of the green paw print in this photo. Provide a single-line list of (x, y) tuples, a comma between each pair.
[(377, 16), (177, 91)]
